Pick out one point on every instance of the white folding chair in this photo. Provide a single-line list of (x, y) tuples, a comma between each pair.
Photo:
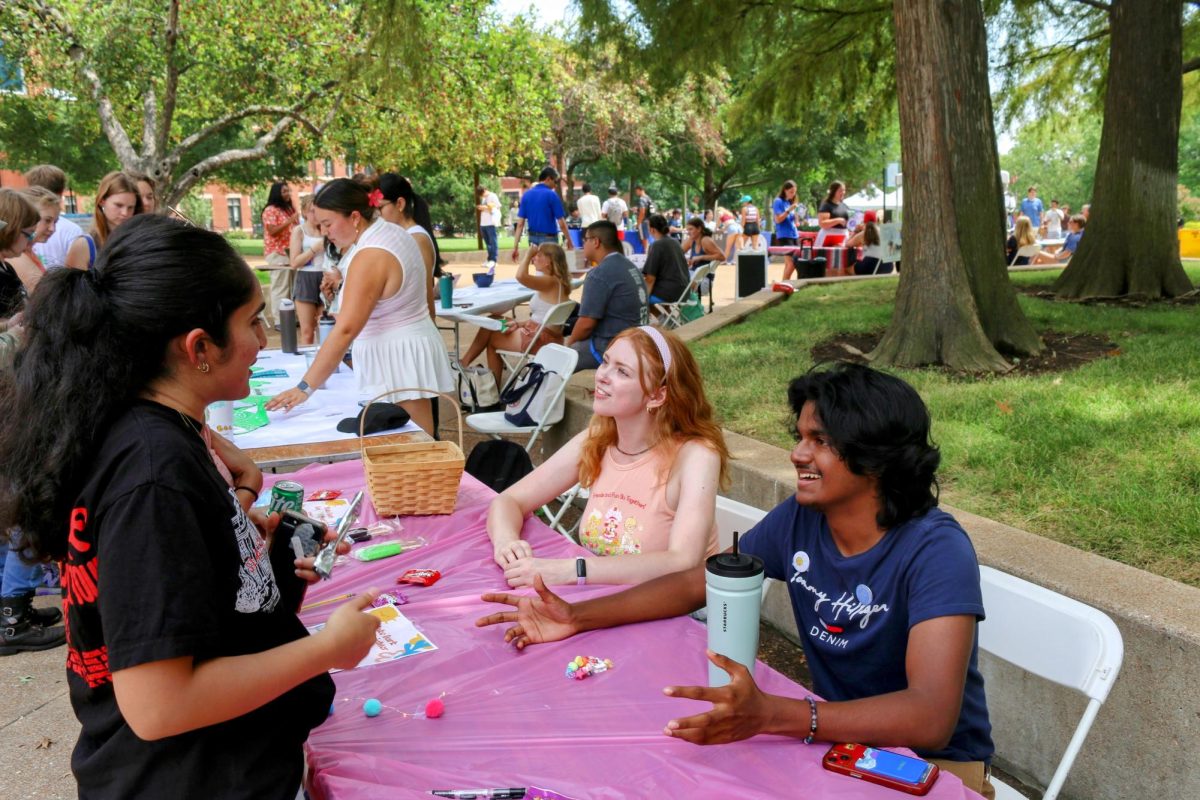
[(1028, 251), (626, 247), (514, 360), (554, 519), (672, 313), (733, 516), (553, 358), (1056, 638)]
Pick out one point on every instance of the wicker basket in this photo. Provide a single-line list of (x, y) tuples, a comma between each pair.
[(415, 478)]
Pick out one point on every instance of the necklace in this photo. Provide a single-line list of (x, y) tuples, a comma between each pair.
[(638, 453)]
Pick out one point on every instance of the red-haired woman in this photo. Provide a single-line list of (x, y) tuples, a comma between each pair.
[(651, 450)]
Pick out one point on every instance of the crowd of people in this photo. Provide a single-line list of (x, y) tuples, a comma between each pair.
[(187, 654)]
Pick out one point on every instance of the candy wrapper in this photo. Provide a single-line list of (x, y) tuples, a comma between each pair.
[(420, 577)]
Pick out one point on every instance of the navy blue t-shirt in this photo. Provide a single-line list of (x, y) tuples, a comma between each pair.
[(541, 209), (854, 613)]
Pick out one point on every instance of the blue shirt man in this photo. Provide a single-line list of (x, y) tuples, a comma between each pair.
[(542, 209), (1031, 207)]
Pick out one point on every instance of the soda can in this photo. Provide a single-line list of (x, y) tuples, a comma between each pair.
[(286, 495)]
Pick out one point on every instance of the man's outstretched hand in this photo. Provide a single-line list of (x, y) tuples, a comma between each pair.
[(545, 617)]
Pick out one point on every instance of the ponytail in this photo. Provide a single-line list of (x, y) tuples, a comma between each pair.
[(397, 187), (94, 340)]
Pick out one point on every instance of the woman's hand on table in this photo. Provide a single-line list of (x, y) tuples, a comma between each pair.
[(740, 709), (349, 633), (544, 617), (522, 571), (287, 400), (304, 566), (510, 553)]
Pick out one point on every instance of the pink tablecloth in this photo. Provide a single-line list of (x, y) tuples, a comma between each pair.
[(512, 718)]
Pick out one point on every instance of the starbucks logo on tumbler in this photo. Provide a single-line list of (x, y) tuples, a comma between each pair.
[(801, 561)]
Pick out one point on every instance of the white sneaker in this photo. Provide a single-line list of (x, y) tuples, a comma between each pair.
[(490, 265)]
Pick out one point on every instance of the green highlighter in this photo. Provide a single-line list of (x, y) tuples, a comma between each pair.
[(374, 552)]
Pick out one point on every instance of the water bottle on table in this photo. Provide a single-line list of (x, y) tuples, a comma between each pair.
[(733, 588)]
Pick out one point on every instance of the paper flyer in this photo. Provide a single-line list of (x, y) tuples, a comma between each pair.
[(396, 638)]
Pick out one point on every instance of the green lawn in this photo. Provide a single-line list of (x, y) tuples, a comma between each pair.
[(1105, 457), (254, 247)]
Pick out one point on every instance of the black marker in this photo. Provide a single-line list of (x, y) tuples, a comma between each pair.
[(470, 794)]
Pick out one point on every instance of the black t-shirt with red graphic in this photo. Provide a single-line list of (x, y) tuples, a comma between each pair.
[(163, 563)]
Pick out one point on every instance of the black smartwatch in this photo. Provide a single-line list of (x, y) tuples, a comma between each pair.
[(580, 571)]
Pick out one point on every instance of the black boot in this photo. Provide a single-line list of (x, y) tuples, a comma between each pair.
[(21, 630)]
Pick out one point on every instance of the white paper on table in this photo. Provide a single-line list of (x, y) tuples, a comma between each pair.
[(396, 638), (314, 420)]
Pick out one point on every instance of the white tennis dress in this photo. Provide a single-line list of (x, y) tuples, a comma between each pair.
[(399, 347)]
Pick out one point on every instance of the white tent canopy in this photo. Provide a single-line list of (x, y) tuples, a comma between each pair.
[(872, 198)]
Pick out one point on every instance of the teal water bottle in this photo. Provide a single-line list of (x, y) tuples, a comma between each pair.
[(446, 290)]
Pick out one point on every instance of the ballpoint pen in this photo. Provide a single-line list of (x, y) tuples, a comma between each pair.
[(467, 794)]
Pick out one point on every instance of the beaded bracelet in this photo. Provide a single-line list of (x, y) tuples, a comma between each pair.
[(812, 725), (247, 489)]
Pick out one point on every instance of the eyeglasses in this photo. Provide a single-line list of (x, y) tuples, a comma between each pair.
[(30, 235)]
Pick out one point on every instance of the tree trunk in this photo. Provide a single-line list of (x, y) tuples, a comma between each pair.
[(1131, 246), (478, 213), (954, 304)]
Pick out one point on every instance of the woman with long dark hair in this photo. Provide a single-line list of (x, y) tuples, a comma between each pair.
[(188, 674), (404, 207), (833, 215), (384, 306), (279, 216)]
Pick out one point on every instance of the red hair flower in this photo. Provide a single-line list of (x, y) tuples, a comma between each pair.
[(375, 198)]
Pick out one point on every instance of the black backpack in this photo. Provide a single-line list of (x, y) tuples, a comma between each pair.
[(498, 463)]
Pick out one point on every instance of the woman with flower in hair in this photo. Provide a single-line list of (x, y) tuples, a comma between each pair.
[(652, 458), (384, 306)]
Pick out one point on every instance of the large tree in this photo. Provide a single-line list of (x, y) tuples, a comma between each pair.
[(241, 90), (1128, 57), (1131, 247), (954, 304)]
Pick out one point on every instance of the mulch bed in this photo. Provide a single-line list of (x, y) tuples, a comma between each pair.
[(1064, 351), (1042, 291)]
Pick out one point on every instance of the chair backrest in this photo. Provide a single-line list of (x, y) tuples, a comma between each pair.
[(558, 358), (627, 247), (697, 278), (1027, 251), (1056, 638), (1049, 634), (558, 314), (734, 516)]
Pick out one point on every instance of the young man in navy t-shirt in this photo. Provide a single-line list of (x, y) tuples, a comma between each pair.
[(883, 584)]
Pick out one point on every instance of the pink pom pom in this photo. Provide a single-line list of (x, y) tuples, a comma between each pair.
[(435, 708)]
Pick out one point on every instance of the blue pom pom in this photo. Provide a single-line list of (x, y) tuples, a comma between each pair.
[(372, 707), (332, 706)]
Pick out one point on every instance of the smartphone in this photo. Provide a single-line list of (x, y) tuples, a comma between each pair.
[(306, 532), (903, 773)]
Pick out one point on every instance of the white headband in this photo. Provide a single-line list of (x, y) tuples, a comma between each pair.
[(660, 342)]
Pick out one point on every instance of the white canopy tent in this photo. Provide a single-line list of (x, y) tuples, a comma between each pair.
[(872, 198)]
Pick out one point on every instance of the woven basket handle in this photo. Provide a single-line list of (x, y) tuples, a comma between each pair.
[(362, 418)]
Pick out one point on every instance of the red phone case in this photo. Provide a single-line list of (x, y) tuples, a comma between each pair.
[(841, 759)]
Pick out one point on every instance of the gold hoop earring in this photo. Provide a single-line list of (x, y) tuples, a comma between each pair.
[(203, 367)]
